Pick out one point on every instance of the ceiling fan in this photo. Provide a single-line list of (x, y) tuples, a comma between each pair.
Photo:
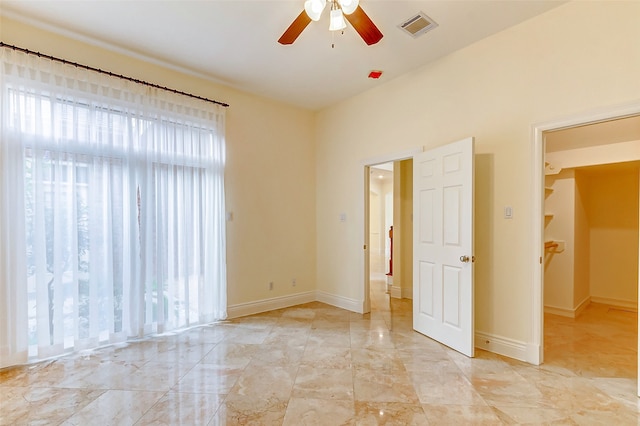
[(340, 9)]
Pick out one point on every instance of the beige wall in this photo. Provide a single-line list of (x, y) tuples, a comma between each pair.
[(613, 219), (402, 229), (582, 240), (557, 64), (406, 216), (399, 232), (270, 170), (376, 221)]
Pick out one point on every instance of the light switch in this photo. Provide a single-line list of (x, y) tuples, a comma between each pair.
[(229, 216), (343, 217), (508, 212)]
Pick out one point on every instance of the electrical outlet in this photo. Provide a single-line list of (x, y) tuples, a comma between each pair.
[(270, 285), (293, 282)]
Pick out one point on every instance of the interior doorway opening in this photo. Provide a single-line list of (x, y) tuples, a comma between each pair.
[(381, 196), (392, 208), (381, 222), (591, 246)]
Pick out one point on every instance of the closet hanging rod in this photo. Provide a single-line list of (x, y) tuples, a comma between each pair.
[(551, 245), (109, 73)]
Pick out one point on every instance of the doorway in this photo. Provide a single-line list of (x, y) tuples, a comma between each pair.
[(585, 175), (381, 207), (591, 269), (369, 166)]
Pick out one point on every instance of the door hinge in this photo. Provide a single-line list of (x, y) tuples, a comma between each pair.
[(541, 260), (364, 247)]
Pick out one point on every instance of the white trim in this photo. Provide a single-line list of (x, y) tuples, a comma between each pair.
[(349, 304), (397, 156), (396, 292), (502, 346), (366, 240), (533, 353), (259, 306), (399, 292), (407, 292), (537, 290), (561, 312), (567, 312), (537, 218), (582, 306), (631, 305)]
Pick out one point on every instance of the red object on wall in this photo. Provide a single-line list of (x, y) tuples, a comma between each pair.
[(375, 74), (391, 252)]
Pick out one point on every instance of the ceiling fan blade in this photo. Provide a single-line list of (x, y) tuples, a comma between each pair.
[(295, 29), (361, 22)]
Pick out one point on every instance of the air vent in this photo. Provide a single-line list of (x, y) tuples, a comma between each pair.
[(417, 25)]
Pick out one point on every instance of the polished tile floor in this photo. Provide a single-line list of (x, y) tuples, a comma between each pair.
[(318, 365)]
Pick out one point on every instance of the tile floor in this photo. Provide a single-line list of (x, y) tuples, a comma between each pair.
[(318, 365)]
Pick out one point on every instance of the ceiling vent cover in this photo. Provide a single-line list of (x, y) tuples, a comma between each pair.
[(417, 25)]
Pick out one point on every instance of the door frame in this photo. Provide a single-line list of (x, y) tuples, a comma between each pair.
[(535, 352), (364, 212)]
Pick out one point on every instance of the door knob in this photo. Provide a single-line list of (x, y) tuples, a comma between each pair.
[(464, 259)]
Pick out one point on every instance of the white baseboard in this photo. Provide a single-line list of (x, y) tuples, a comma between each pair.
[(259, 306), (251, 308), (407, 292), (582, 306), (631, 305), (566, 312), (534, 354), (573, 313), (503, 346), (349, 304), (396, 292), (563, 312)]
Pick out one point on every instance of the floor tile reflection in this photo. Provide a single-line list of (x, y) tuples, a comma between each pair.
[(319, 365)]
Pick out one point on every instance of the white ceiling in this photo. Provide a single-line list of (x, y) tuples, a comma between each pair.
[(235, 42)]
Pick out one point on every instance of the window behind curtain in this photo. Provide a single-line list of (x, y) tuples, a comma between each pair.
[(118, 222)]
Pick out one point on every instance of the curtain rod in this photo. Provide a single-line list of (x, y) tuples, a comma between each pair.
[(124, 77)]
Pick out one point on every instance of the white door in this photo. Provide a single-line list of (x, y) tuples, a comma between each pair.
[(443, 245)]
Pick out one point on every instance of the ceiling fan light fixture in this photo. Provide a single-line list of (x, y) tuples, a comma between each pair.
[(314, 8), (336, 22), (349, 6)]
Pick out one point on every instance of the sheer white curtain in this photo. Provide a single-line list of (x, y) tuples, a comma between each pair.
[(112, 216)]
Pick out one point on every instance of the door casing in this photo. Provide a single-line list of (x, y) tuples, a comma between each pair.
[(364, 211)]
